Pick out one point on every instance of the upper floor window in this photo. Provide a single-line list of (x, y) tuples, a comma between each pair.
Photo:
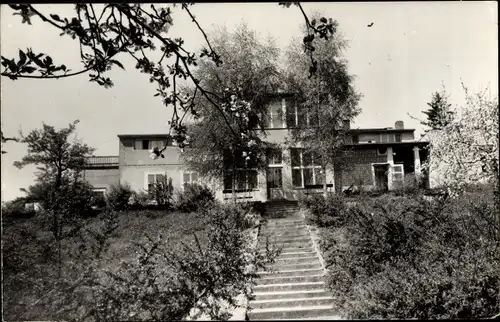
[(387, 138), (306, 168), (299, 116), (149, 144), (398, 137), (355, 139), (275, 114)]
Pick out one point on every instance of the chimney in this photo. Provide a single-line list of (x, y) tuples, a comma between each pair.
[(346, 124), (399, 125)]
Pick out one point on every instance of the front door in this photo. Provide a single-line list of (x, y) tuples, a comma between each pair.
[(275, 183), (381, 176)]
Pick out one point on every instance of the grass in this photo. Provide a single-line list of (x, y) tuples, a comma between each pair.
[(32, 271)]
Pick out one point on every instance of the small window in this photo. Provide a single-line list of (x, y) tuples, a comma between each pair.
[(398, 137), (275, 156), (155, 178), (145, 144), (189, 178), (355, 139)]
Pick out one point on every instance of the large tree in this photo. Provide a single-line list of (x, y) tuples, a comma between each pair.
[(107, 32), (465, 149), (232, 137), (324, 99)]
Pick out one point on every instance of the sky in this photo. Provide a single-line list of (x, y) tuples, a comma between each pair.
[(411, 51)]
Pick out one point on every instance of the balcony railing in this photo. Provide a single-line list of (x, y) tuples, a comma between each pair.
[(101, 161)]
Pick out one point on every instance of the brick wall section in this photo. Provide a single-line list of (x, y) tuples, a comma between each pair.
[(356, 166)]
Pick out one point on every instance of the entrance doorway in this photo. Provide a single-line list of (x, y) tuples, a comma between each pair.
[(381, 176), (275, 183)]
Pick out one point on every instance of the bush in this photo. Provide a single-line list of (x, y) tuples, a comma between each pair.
[(16, 209), (141, 198), (404, 257), (118, 196), (194, 197), (162, 192), (325, 212)]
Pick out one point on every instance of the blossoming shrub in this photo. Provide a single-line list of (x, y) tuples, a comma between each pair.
[(405, 257)]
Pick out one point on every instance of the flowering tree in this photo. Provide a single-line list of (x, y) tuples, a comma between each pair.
[(465, 149)]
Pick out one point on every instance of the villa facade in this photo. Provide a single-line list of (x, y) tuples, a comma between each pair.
[(377, 158)]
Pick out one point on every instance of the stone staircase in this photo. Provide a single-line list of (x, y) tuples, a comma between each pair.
[(280, 208), (293, 286)]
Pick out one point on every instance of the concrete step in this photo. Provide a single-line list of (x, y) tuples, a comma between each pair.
[(289, 280), (291, 312), (289, 287), (290, 273), (299, 244), (283, 256), (284, 233), (293, 249), (316, 264), (299, 302), (326, 317), (283, 222), (296, 255), (285, 240), (283, 228), (262, 296), (300, 260)]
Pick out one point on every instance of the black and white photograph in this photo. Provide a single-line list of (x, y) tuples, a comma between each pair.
[(244, 161)]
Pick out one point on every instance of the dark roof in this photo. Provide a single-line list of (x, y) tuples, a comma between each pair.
[(380, 130), (133, 136)]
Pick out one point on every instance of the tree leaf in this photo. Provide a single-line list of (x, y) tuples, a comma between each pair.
[(56, 17), (28, 69), (116, 62), (22, 58)]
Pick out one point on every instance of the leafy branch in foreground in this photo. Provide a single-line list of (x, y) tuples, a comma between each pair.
[(133, 30)]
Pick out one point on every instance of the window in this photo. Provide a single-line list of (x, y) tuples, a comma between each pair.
[(398, 137), (355, 139), (274, 156), (246, 179), (245, 173), (149, 144), (189, 177), (98, 192), (299, 116), (153, 178), (397, 173), (306, 168), (275, 119), (387, 138)]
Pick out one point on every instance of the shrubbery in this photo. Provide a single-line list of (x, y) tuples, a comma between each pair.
[(325, 212), (194, 197), (118, 196), (405, 257)]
